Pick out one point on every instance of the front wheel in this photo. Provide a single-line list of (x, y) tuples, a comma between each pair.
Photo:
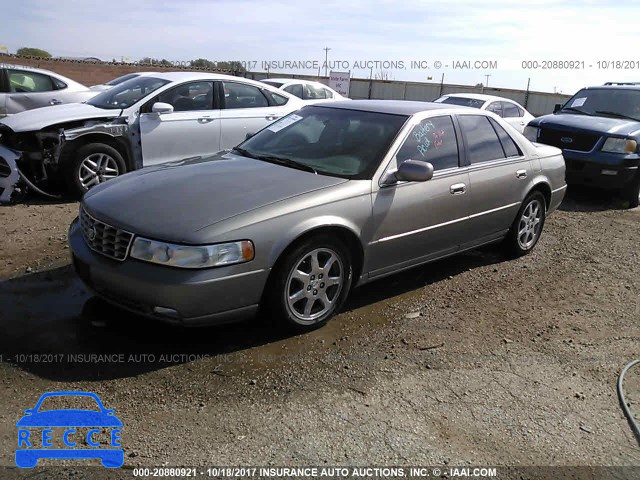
[(93, 164), (310, 284), (527, 226), (632, 193)]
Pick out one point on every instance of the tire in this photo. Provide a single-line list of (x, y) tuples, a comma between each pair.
[(297, 297), (93, 164), (527, 226), (632, 193)]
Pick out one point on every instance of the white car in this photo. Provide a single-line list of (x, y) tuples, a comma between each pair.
[(308, 91), (24, 88), (150, 119), (511, 111)]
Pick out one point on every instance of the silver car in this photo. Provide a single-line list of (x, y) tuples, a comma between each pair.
[(327, 198), (24, 88)]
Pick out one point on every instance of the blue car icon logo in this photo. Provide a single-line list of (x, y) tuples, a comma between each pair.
[(42, 433)]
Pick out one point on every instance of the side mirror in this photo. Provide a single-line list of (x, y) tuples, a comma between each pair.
[(557, 107), (249, 135), (414, 171), (161, 108), (28, 411)]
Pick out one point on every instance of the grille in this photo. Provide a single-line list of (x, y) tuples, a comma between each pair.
[(105, 239), (582, 142)]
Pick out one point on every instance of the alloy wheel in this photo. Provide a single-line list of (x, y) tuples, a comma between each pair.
[(314, 285), (97, 168)]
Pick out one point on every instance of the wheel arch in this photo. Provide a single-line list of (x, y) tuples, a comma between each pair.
[(345, 233), (118, 143), (544, 188)]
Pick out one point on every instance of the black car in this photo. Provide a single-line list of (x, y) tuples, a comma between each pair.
[(598, 130)]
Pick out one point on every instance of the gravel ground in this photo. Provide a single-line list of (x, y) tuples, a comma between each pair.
[(474, 360)]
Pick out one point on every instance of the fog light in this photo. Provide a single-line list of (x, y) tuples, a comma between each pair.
[(166, 312), (609, 172)]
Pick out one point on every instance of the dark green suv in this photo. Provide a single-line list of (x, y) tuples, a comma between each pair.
[(598, 130)]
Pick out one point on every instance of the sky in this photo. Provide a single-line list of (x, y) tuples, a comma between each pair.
[(469, 39)]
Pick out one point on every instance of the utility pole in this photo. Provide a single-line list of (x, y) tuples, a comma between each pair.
[(486, 83), (326, 56)]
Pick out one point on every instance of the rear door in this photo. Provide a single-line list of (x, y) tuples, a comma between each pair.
[(498, 173), (513, 116), (418, 221), (28, 89), (246, 109), (192, 129)]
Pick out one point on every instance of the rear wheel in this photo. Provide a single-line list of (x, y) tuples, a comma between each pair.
[(93, 164), (527, 227), (310, 284)]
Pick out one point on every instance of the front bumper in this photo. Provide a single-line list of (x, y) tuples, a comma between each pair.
[(174, 295), (9, 173), (583, 170)]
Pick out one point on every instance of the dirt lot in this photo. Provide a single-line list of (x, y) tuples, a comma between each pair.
[(476, 360)]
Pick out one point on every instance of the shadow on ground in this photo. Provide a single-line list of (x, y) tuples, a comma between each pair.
[(54, 328), (588, 199)]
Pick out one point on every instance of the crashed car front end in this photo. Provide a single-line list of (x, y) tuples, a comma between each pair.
[(34, 160)]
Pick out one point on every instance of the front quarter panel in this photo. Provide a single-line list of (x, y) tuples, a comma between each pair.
[(273, 228)]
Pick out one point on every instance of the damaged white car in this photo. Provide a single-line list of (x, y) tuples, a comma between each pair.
[(150, 119)]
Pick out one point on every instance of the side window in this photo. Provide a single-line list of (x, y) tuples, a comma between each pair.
[(495, 107), (481, 139), (311, 92), (59, 84), (188, 97), (239, 95), (23, 81), (295, 89), (328, 93), (276, 99), (520, 111), (433, 140), (509, 146), (510, 110)]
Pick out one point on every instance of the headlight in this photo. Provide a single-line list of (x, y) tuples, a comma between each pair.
[(188, 256), (619, 145), (531, 133)]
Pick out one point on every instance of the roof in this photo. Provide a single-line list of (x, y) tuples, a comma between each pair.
[(182, 76), (398, 107), (477, 96), (614, 87)]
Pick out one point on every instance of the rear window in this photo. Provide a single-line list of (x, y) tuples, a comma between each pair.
[(464, 101)]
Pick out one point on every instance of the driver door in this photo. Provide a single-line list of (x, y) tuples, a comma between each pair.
[(417, 221), (192, 129)]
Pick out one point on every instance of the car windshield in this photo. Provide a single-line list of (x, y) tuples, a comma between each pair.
[(464, 101), (127, 93), (613, 102), (330, 141), (67, 402), (123, 78)]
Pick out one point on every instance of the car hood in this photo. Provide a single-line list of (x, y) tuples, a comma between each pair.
[(39, 118), (173, 201), (564, 121), (69, 418)]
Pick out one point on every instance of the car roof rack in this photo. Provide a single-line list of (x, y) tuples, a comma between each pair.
[(622, 83)]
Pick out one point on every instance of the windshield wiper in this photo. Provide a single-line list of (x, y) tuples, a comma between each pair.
[(273, 159), (287, 162), (616, 114), (244, 153), (573, 109)]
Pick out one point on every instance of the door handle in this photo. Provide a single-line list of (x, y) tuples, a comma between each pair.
[(457, 189), (54, 101), (521, 174), (205, 119), (271, 117)]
